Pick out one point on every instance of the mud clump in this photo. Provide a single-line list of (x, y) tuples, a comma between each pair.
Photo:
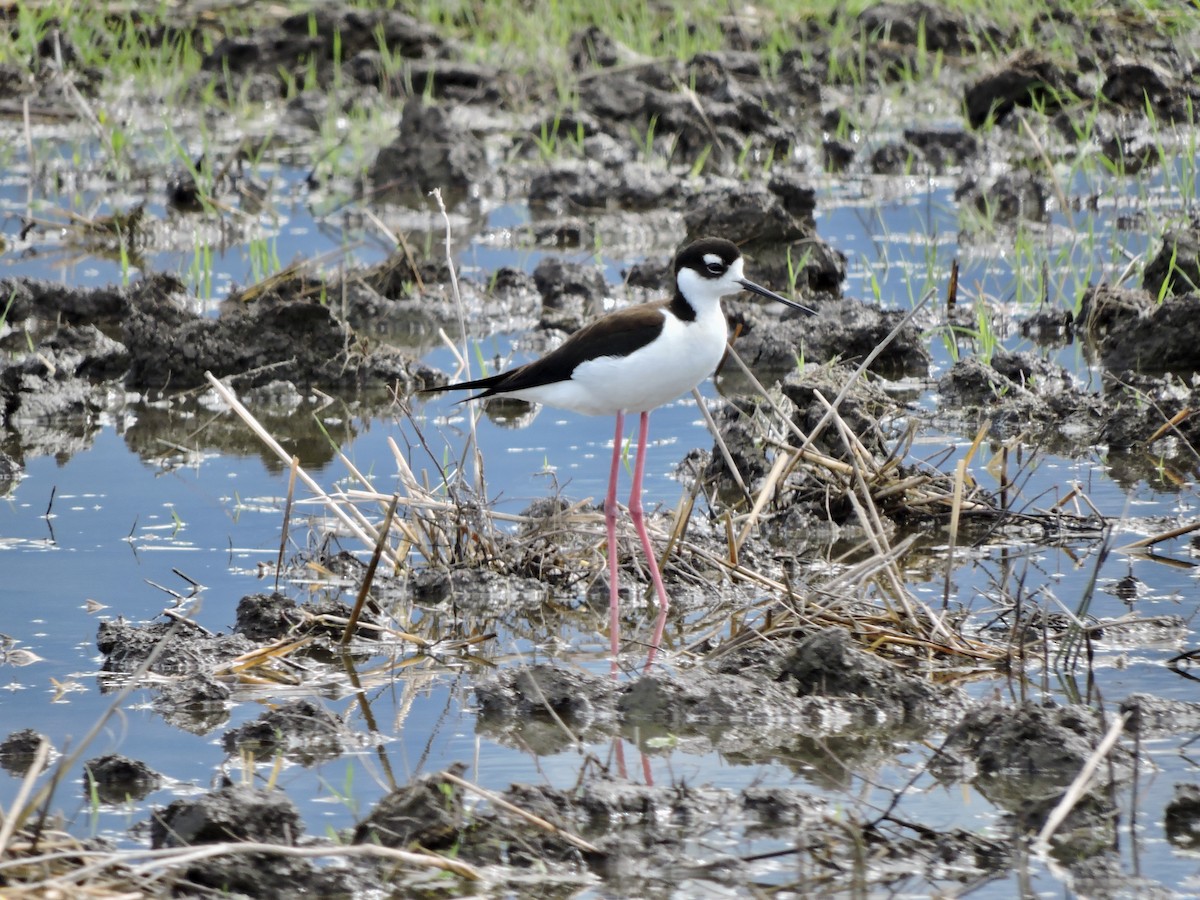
[(1023, 757), (117, 779), (270, 617), (185, 647), (1015, 391), (829, 663), (267, 617), (1141, 88), (846, 330), (1182, 816), (570, 293), (164, 344), (773, 228), (406, 170), (764, 695), (537, 701), (1155, 717), (296, 341), (428, 812), (197, 704), (301, 730), (238, 814), (1009, 197), (18, 751), (1026, 80)]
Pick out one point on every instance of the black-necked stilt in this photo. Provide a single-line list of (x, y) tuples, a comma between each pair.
[(634, 360)]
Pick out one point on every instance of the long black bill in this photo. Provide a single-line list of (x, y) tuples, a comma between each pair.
[(759, 289)]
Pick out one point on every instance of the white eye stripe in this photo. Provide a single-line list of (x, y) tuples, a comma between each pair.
[(713, 259)]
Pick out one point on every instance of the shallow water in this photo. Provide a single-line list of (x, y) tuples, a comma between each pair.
[(122, 522)]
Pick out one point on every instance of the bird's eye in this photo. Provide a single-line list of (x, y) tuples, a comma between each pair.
[(716, 268)]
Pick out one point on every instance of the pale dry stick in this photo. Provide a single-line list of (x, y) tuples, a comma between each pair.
[(1159, 538), (1069, 614), (683, 515), (29, 155), (458, 356), (855, 576), (424, 540), (782, 463), (246, 416), (405, 528), (730, 539), (1060, 194), (1079, 785), (477, 455), (807, 439), (694, 99), (900, 487), (870, 514), (862, 367), (984, 427), (573, 839), (9, 826), (287, 518), (68, 762), (816, 458), (180, 856), (721, 445), (875, 538), (81, 103), (876, 533), (381, 225), (421, 503), (369, 576), (399, 634), (960, 476), (404, 470), (1088, 500), (1171, 424)]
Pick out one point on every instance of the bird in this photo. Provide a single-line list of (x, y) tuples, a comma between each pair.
[(634, 360)]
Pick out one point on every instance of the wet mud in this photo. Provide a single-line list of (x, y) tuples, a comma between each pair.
[(823, 687)]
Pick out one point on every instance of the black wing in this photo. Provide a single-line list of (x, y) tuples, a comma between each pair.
[(617, 334)]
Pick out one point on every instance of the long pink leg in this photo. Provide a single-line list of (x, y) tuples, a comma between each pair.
[(635, 511), (610, 523)]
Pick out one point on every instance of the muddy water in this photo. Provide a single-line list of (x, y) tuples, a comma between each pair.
[(132, 506), (126, 528)]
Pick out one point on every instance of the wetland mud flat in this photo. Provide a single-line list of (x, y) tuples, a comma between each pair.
[(930, 552)]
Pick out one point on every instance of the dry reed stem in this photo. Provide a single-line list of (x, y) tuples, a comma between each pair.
[(287, 516), (960, 474), (711, 424), (139, 869), (9, 825), (1153, 539), (369, 575), (476, 453), (1080, 784), (764, 496), (868, 515), (68, 761), (246, 416)]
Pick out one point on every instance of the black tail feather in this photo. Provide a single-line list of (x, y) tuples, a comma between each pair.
[(485, 383)]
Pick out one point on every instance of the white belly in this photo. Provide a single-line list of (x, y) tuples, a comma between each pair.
[(684, 355)]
